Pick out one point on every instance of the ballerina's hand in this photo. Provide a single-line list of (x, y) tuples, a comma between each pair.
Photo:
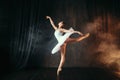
[(48, 17)]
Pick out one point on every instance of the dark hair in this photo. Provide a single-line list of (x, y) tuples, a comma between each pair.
[(62, 22)]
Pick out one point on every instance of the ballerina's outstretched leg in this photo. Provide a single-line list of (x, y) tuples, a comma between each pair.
[(63, 50), (71, 40)]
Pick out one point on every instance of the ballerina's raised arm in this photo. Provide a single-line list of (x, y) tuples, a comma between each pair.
[(51, 21)]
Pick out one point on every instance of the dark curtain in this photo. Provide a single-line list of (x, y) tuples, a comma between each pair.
[(4, 38), (31, 35)]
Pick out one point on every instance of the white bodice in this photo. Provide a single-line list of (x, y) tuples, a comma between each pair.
[(58, 34)]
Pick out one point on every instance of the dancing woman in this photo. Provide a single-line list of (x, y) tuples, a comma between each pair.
[(63, 37)]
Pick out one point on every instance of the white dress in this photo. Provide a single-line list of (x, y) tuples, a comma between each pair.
[(61, 39)]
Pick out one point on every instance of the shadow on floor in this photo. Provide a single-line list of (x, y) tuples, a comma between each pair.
[(66, 74)]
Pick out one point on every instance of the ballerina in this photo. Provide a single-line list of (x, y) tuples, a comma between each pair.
[(63, 37)]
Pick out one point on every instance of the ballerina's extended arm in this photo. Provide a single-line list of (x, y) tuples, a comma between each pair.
[(78, 32), (65, 30), (51, 21)]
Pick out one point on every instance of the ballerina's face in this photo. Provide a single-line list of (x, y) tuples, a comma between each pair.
[(60, 24)]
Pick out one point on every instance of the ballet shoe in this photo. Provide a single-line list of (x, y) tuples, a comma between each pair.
[(86, 35), (58, 71), (83, 37)]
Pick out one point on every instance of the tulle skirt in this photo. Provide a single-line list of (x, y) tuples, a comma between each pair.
[(61, 41)]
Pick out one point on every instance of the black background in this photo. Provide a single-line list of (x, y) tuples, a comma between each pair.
[(26, 37)]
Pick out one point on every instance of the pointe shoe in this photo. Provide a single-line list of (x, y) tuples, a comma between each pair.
[(86, 35), (58, 71), (83, 37)]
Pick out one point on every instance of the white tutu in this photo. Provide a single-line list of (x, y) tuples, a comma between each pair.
[(61, 39)]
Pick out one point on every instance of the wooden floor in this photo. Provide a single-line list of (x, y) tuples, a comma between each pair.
[(66, 74)]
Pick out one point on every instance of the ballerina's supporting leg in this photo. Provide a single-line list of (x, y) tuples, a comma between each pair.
[(62, 50)]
